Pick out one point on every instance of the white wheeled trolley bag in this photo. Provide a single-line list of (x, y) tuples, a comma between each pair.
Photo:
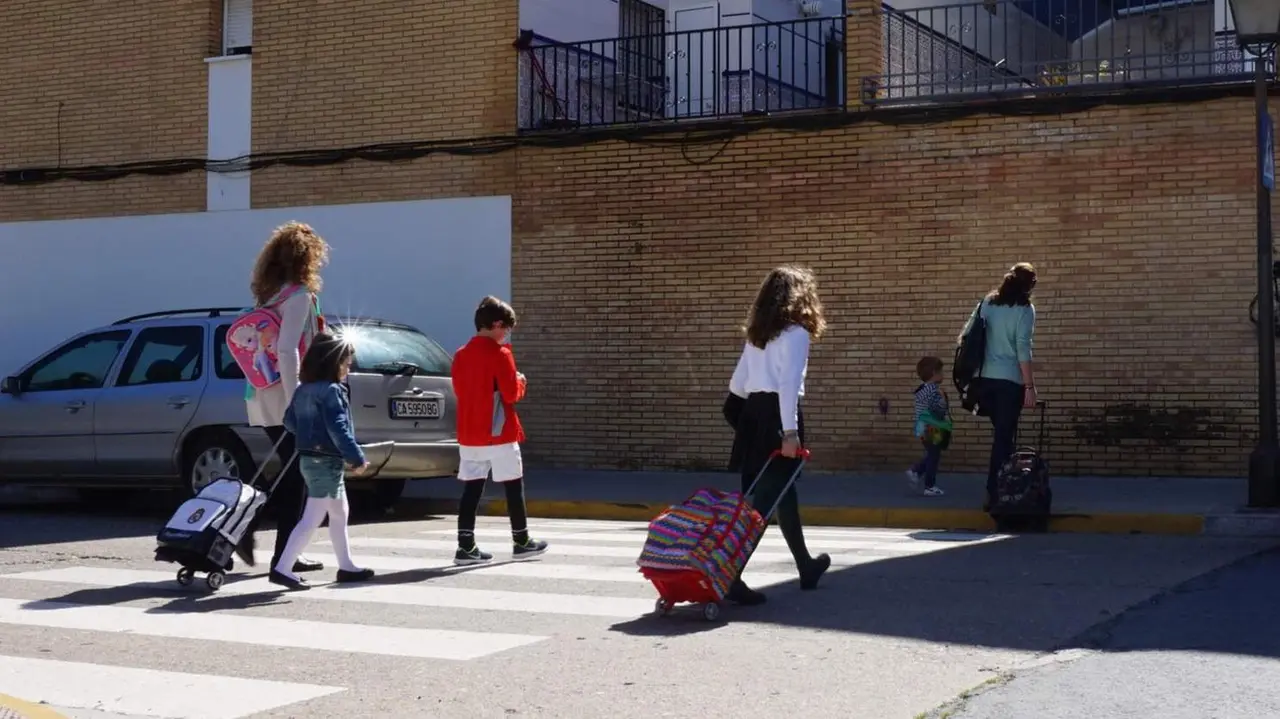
[(203, 534)]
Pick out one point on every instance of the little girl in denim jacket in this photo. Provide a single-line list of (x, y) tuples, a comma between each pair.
[(320, 418)]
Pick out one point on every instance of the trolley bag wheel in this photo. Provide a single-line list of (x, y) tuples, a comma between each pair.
[(186, 576), (662, 607), (710, 611), (215, 580)]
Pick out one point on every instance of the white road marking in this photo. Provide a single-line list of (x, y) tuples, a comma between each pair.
[(240, 629), (147, 692), (415, 596), (525, 570), (872, 553), (888, 543)]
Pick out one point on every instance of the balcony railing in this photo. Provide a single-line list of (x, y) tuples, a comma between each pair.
[(1019, 47), (726, 71)]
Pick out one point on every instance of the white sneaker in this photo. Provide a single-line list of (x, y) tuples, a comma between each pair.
[(933, 492), (913, 480)]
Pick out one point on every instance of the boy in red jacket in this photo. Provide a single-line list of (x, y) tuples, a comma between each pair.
[(487, 387)]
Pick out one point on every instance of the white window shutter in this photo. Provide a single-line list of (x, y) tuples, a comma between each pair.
[(237, 26)]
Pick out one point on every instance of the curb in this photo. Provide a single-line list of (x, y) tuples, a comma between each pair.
[(15, 708), (899, 518)]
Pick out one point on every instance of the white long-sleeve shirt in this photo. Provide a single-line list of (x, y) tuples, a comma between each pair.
[(266, 407), (780, 367)]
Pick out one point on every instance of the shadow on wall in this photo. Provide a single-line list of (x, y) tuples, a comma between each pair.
[(1179, 429)]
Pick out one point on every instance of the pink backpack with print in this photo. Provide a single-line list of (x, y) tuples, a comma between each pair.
[(252, 339)]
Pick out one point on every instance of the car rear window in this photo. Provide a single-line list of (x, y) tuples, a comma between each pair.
[(391, 350)]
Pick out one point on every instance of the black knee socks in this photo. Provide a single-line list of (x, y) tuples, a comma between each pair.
[(472, 492), (516, 511), (467, 508), (792, 530)]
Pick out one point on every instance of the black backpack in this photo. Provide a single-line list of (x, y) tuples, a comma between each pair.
[(966, 370)]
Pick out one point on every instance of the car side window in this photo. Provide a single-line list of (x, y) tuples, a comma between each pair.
[(162, 355), (224, 364), (82, 363)]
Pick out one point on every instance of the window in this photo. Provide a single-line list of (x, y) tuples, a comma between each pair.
[(161, 355), (224, 365), (390, 349), (237, 27), (642, 55), (82, 363)]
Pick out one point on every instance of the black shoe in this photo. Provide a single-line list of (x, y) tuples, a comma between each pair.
[(471, 556), (357, 575), (244, 550), (814, 570), (306, 565), (530, 548), (740, 593), (287, 582)]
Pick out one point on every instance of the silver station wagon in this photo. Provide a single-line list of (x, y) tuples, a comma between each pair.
[(156, 401)]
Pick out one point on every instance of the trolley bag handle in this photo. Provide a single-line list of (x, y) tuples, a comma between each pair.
[(275, 449), (803, 455), (1043, 437)]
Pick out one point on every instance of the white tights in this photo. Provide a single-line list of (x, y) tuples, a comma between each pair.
[(316, 510)]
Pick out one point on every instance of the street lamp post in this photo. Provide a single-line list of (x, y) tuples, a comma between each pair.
[(1258, 31)]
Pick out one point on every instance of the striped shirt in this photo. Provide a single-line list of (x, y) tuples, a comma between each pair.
[(930, 400)]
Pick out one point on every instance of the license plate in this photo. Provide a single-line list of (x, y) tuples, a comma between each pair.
[(415, 408)]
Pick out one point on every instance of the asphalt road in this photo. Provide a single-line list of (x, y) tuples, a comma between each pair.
[(1205, 650), (905, 622)]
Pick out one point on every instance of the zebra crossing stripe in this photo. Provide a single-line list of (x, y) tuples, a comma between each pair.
[(416, 596), (896, 544), (239, 629), (146, 692), (442, 548), (524, 570)]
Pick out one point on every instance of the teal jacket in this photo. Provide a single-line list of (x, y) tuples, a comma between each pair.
[(1010, 334)]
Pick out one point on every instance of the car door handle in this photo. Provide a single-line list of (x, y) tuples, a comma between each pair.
[(179, 402), (75, 406)]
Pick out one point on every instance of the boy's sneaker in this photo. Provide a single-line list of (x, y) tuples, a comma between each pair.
[(933, 492), (530, 548), (913, 480), (471, 556)]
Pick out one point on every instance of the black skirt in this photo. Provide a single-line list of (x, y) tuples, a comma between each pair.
[(757, 431)]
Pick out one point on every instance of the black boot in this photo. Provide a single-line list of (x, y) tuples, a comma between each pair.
[(813, 570), (740, 593)]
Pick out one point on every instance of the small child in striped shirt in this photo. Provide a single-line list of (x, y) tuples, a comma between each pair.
[(932, 426)]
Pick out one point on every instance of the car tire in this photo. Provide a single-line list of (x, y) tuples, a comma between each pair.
[(215, 452)]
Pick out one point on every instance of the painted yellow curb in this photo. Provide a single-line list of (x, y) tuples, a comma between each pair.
[(899, 518), (25, 710)]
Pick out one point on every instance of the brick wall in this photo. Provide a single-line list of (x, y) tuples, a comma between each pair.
[(635, 265), (333, 73), (89, 83)]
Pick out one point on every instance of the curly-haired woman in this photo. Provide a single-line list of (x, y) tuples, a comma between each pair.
[(286, 277), (769, 383)]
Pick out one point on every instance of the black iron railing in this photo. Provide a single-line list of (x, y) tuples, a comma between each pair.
[(725, 71), (1002, 47)]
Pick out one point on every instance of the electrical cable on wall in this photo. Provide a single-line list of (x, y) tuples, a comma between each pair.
[(680, 135)]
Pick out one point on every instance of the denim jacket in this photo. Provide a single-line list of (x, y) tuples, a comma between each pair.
[(320, 418)]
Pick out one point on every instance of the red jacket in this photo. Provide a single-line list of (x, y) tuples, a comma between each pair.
[(482, 368)]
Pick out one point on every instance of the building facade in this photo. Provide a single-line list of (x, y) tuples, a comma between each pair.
[(908, 154)]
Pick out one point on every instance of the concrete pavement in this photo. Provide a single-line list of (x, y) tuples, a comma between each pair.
[(1208, 648), (1155, 505), (905, 621)]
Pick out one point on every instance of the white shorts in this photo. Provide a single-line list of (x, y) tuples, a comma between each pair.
[(502, 459)]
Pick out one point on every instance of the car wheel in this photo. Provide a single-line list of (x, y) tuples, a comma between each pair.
[(214, 455)]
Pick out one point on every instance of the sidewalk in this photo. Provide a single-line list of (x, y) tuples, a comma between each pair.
[(1155, 505)]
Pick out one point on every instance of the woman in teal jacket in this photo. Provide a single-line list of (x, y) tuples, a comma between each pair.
[(1008, 382)]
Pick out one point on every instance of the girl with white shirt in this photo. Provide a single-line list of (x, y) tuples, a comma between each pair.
[(764, 408), (286, 277)]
